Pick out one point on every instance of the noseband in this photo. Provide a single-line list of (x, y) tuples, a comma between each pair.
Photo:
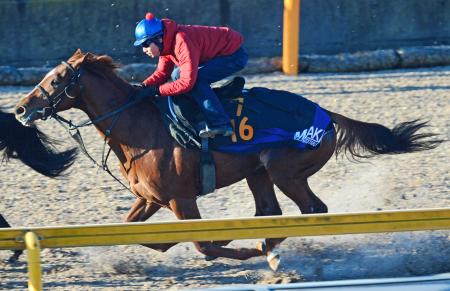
[(53, 101)]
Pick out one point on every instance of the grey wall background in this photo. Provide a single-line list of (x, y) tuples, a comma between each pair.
[(43, 32)]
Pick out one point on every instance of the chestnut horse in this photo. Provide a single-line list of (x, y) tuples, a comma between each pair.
[(161, 173), (33, 148)]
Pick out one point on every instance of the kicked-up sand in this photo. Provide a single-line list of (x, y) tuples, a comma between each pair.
[(89, 196)]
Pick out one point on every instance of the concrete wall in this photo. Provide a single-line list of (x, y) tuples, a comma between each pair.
[(40, 32), (332, 26)]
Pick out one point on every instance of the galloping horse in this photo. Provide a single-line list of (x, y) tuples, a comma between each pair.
[(34, 149), (161, 173)]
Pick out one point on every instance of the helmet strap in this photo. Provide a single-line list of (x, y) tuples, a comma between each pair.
[(158, 41)]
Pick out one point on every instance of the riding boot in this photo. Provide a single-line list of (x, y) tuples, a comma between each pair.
[(218, 122)]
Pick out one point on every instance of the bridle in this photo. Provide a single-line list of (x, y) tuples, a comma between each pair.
[(53, 101)]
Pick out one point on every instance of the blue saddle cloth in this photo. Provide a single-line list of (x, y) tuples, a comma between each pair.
[(262, 118)]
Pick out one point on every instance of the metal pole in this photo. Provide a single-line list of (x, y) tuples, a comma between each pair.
[(291, 28), (34, 261)]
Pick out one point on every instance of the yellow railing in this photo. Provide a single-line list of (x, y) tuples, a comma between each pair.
[(214, 229)]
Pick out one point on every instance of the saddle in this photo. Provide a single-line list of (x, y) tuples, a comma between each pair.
[(183, 118), (261, 118)]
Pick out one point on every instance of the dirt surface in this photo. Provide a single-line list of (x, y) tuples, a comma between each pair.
[(88, 196)]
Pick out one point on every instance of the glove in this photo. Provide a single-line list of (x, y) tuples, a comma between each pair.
[(138, 86), (148, 91)]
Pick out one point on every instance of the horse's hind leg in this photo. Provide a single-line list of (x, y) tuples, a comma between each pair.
[(266, 203), (187, 209), (301, 194), (263, 192), (261, 186), (289, 170)]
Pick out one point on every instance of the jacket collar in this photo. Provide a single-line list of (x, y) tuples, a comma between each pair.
[(170, 30)]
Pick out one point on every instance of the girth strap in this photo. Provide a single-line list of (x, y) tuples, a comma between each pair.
[(207, 169)]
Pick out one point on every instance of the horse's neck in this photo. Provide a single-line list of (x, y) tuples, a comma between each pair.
[(139, 126)]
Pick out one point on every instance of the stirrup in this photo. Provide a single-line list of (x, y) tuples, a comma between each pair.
[(205, 133), (212, 132)]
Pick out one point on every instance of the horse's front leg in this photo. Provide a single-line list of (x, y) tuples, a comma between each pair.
[(141, 210), (15, 256), (187, 209), (265, 203)]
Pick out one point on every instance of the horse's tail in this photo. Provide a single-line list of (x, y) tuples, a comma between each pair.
[(32, 147), (365, 140)]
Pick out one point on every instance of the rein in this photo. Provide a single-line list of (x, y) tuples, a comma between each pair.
[(73, 129)]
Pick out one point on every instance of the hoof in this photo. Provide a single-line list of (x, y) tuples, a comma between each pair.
[(274, 261), (273, 258), (210, 258), (15, 257), (261, 246)]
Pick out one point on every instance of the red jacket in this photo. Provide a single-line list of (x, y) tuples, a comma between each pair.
[(188, 46)]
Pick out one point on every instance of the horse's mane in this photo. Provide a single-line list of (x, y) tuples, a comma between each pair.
[(100, 65)]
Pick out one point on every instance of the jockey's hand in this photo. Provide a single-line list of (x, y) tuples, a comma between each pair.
[(148, 91), (138, 86)]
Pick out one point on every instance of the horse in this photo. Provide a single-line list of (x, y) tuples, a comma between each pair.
[(161, 173), (33, 148)]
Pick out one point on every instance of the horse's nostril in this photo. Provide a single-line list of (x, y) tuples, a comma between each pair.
[(20, 110)]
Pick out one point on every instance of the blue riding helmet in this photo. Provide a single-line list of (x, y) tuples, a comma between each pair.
[(148, 28)]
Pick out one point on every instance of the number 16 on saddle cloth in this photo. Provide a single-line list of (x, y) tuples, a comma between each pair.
[(264, 118)]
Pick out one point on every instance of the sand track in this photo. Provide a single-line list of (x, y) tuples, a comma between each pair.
[(419, 180)]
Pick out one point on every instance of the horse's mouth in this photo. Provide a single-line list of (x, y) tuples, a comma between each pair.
[(27, 119)]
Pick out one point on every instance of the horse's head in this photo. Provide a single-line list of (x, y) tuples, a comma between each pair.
[(58, 91)]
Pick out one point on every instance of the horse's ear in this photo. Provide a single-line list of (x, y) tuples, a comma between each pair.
[(77, 58), (77, 54)]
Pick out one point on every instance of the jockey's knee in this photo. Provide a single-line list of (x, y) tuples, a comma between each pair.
[(201, 86), (243, 60)]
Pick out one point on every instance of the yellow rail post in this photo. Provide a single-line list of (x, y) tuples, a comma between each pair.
[(291, 28), (34, 261)]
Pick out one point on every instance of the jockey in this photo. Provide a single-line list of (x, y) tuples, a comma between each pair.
[(194, 56)]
